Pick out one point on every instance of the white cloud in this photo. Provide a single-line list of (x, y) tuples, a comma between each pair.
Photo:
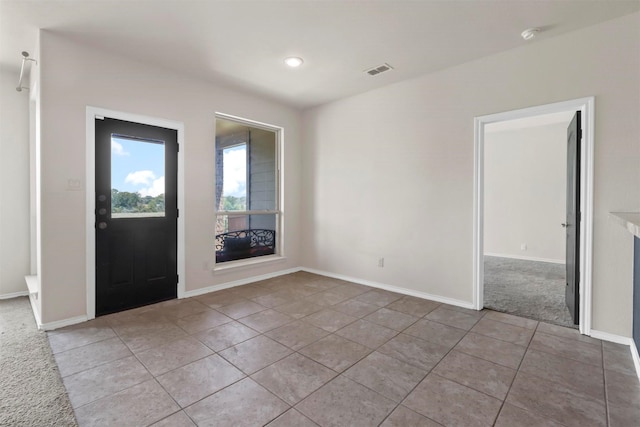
[(118, 149), (140, 177), (235, 173), (156, 188)]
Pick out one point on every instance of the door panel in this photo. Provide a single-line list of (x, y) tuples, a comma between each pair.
[(572, 223), (136, 215)]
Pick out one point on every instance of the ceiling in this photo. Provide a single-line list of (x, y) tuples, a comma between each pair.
[(243, 43)]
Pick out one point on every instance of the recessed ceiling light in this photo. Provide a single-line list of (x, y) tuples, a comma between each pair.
[(293, 61), (530, 33)]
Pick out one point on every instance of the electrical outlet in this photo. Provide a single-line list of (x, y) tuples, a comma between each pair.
[(381, 262), (523, 247)]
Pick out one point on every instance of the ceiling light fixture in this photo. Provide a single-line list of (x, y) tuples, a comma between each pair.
[(530, 33), (293, 61)]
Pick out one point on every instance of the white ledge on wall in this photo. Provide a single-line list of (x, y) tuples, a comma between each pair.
[(629, 220), (32, 285)]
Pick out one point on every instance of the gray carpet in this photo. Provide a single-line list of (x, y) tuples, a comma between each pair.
[(526, 288), (31, 390)]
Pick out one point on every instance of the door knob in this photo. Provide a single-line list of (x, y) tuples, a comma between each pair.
[(102, 225)]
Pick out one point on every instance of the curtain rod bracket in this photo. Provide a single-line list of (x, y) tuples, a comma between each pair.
[(25, 58)]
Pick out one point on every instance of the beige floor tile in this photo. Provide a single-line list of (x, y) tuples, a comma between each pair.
[(91, 355), (202, 321), (81, 335), (391, 319), (450, 403), (350, 405), (405, 417), (165, 358), (414, 351), (220, 298), (272, 300), (367, 333), (293, 378), (564, 332), (329, 320), (355, 308), (511, 416), (478, 374), (454, 318), (179, 419), (584, 379), (414, 306), (296, 335), (379, 297), (576, 350), (436, 332), (326, 298), (299, 308), (617, 357), (491, 349), (139, 405), (225, 336), (266, 320), (143, 341), (555, 401), (335, 352), (622, 389), (199, 379), (244, 403), (255, 353), (292, 418), (511, 319), (386, 375), (241, 309), (103, 380), (504, 331)]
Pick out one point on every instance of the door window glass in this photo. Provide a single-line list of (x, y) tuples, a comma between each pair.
[(137, 177)]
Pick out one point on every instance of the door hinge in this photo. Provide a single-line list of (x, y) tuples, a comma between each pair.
[(177, 278), (178, 148), (177, 213)]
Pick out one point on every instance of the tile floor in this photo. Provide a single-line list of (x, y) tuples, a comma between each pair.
[(306, 350)]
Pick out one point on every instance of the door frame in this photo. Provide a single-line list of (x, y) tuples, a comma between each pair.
[(586, 106), (90, 179)]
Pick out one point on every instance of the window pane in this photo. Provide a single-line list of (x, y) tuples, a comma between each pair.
[(245, 167), (137, 178), (245, 236)]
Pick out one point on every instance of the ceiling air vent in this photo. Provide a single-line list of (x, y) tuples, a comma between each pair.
[(379, 69)]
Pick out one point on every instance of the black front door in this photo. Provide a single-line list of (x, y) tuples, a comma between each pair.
[(136, 214), (572, 223)]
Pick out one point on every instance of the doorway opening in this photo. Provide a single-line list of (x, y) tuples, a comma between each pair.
[(525, 170), (520, 227)]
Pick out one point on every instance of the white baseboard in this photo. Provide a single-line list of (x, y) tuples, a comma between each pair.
[(15, 295), (34, 308), (404, 291), (636, 357), (202, 291), (526, 258), (62, 323), (606, 336)]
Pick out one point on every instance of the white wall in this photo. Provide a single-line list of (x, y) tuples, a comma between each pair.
[(74, 77), (14, 183), (390, 172), (525, 192)]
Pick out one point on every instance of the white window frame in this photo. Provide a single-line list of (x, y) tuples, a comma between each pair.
[(278, 211)]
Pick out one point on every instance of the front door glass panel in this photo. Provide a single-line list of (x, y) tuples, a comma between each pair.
[(137, 177)]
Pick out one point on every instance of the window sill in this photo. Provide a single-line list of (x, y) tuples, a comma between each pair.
[(249, 262)]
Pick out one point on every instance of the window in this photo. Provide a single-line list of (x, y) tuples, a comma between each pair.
[(247, 197)]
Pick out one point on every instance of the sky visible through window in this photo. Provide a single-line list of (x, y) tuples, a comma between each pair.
[(235, 171), (137, 166)]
